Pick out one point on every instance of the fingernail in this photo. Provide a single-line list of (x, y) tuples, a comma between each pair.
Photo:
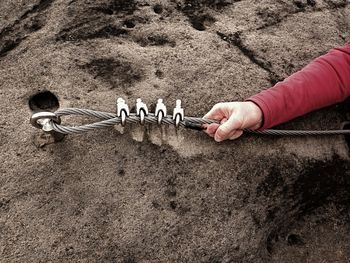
[(218, 139)]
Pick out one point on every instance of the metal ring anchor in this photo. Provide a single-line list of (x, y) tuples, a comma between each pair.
[(43, 117)]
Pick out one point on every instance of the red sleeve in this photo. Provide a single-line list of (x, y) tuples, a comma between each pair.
[(325, 81)]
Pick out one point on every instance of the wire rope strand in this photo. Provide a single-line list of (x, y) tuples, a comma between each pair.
[(110, 119)]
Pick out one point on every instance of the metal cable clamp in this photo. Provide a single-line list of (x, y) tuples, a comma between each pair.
[(122, 110), (178, 113), (141, 110), (160, 111)]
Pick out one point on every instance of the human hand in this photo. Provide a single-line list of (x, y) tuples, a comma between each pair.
[(233, 117)]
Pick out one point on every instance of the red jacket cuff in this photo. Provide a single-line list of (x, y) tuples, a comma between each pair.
[(266, 122)]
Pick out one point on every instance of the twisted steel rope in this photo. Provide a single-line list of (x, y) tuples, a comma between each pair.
[(110, 119)]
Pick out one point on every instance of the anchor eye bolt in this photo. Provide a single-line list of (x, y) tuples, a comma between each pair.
[(122, 110), (43, 120)]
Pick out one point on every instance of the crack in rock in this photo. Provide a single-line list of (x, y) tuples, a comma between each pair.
[(236, 40), (13, 35)]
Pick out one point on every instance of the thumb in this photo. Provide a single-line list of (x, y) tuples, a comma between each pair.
[(225, 129)]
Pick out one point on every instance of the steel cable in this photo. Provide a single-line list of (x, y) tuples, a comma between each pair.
[(110, 119)]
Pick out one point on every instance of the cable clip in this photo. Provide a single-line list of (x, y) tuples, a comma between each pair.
[(122, 110), (141, 110), (178, 113), (160, 111)]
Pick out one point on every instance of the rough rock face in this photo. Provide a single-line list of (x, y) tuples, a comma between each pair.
[(106, 197)]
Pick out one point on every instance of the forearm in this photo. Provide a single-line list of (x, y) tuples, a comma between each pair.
[(325, 81)]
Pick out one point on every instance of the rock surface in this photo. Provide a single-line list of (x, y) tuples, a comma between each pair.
[(106, 197)]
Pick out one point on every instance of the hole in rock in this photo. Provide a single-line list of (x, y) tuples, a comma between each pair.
[(200, 22), (158, 9), (299, 4), (129, 23), (43, 101), (159, 74), (311, 2), (295, 240), (173, 205)]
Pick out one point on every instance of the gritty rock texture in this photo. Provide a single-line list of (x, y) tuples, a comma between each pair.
[(160, 196)]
